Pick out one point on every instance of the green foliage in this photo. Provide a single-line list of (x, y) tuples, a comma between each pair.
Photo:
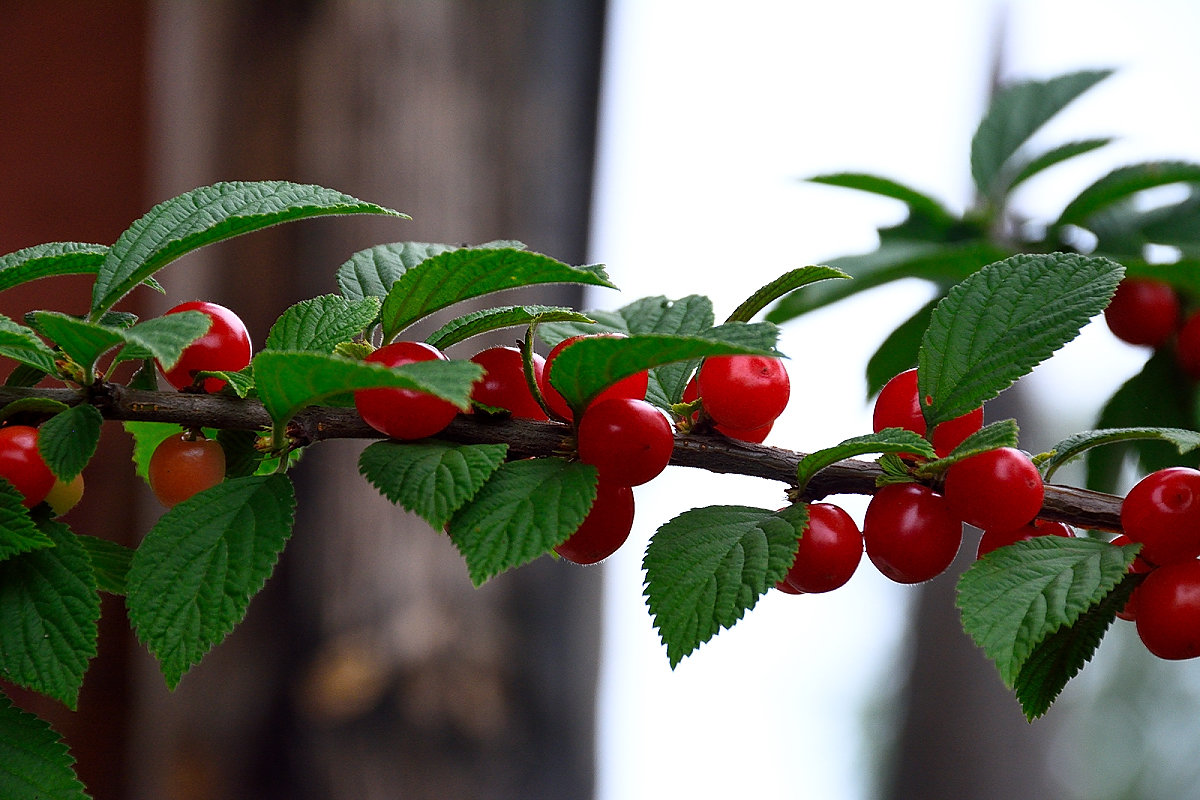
[(322, 323), (68, 439), (36, 763), (888, 440), (1077, 444), (18, 533)]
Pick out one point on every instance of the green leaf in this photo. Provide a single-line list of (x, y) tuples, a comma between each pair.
[(48, 260), (919, 204), (1015, 114), (23, 345), (1122, 183), (522, 512), (321, 323), (432, 479), (708, 566), (84, 342), (1017, 596), (110, 562), (1075, 445), (1002, 433), (48, 614), (146, 437), (164, 338), (288, 381), (371, 272), (1002, 321), (1060, 656), (492, 319), (588, 366), (784, 284), (888, 440), (1052, 157), (18, 533), (192, 578), (458, 275), (68, 440), (206, 215), (898, 352), (37, 764)]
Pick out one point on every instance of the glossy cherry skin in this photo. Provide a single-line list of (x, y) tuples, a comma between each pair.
[(995, 538), (183, 465), (1143, 312), (910, 534), (1140, 566), (829, 552), (628, 441), (225, 347), (1168, 610), (1187, 346), (754, 435), (1162, 511), (503, 384), (605, 528), (998, 488), (404, 413), (22, 465), (633, 386), (743, 393), (898, 406)]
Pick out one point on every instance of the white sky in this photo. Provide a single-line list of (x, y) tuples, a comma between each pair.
[(711, 113)]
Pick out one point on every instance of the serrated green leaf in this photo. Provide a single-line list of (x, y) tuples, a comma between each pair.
[(1052, 157), (1002, 433), (18, 533), (110, 562), (888, 440), (164, 338), (23, 345), (1015, 597), (522, 512), (321, 323), (1060, 656), (37, 764), (24, 375), (68, 440), (191, 580), (919, 204), (1015, 114), (998, 324), (48, 616), (588, 366), (493, 319), (1075, 445), (240, 383), (898, 352), (242, 458), (458, 275), (206, 215), (84, 342), (431, 479), (146, 437), (371, 272), (708, 566), (48, 260), (1122, 183), (288, 381), (784, 284)]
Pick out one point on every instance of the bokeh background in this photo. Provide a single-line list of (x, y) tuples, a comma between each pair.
[(668, 140)]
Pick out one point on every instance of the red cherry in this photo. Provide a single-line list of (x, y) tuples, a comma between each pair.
[(1143, 311), (898, 406), (1187, 346), (1139, 567), (995, 538), (605, 528), (628, 441), (830, 549), (1162, 511), (503, 384), (404, 413), (633, 386), (183, 465), (910, 534), (224, 348), (754, 435), (743, 393), (1168, 610), (998, 488), (22, 465)]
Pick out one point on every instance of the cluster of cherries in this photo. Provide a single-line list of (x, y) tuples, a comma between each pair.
[(627, 439), (1148, 312)]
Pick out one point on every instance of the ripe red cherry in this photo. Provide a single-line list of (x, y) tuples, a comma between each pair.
[(183, 465), (503, 384), (1162, 511), (1168, 610), (829, 551), (999, 488), (633, 386), (743, 393), (404, 413), (755, 435), (910, 534), (1140, 566), (1187, 346), (226, 348), (995, 538), (21, 464), (605, 528), (898, 406), (1143, 311), (628, 441)]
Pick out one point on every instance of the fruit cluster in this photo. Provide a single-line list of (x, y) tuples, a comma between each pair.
[(1148, 312)]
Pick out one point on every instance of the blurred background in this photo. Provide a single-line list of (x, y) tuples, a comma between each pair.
[(667, 140)]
